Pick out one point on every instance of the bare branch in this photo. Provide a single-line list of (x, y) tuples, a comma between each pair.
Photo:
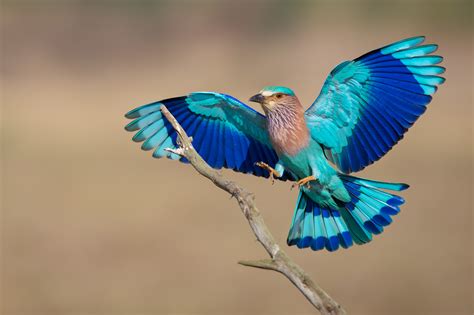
[(279, 261)]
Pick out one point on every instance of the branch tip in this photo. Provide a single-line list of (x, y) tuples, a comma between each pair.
[(262, 264)]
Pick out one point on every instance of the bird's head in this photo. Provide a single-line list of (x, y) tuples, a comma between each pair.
[(271, 97)]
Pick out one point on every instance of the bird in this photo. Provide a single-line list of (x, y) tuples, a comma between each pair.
[(364, 108)]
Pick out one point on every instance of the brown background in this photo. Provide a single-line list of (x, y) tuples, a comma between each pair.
[(92, 225)]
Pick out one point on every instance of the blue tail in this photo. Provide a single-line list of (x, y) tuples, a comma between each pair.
[(354, 222)]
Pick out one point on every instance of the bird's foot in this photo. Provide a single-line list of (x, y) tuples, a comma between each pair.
[(271, 170), (304, 181)]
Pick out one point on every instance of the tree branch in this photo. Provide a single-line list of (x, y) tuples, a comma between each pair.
[(279, 261)]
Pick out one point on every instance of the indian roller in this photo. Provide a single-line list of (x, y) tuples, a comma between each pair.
[(364, 108)]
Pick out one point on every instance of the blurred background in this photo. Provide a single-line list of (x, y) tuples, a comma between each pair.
[(93, 225)]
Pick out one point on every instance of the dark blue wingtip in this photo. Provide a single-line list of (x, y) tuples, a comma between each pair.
[(131, 126), (404, 186), (396, 201), (131, 114)]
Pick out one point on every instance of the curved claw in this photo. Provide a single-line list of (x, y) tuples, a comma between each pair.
[(271, 170), (304, 181)]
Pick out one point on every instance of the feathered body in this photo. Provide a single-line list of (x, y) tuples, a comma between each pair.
[(364, 108), (297, 151)]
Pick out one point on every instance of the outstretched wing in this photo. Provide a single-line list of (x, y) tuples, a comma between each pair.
[(367, 104), (226, 132)]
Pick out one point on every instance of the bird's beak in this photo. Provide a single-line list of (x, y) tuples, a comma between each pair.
[(257, 98)]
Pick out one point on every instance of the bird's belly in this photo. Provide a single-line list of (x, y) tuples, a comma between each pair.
[(305, 162), (311, 161), (299, 164)]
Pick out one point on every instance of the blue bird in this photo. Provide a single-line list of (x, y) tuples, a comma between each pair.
[(364, 108)]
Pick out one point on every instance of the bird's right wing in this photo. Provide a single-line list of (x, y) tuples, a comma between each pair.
[(226, 132)]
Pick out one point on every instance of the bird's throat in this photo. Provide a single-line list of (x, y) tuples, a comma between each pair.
[(287, 129)]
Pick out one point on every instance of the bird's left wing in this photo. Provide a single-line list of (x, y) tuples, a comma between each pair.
[(226, 132), (367, 104)]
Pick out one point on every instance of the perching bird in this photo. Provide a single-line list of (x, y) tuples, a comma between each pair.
[(364, 108)]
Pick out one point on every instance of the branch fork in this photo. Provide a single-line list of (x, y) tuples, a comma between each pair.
[(279, 261)]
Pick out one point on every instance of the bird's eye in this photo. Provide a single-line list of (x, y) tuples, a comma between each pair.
[(279, 95)]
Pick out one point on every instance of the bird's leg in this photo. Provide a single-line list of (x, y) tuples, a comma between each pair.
[(273, 173), (304, 181)]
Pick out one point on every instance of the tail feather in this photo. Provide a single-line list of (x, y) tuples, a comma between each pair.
[(356, 221), (319, 239), (332, 231), (345, 238), (374, 184), (370, 209)]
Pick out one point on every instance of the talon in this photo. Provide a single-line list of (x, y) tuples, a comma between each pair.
[(304, 182), (271, 170)]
